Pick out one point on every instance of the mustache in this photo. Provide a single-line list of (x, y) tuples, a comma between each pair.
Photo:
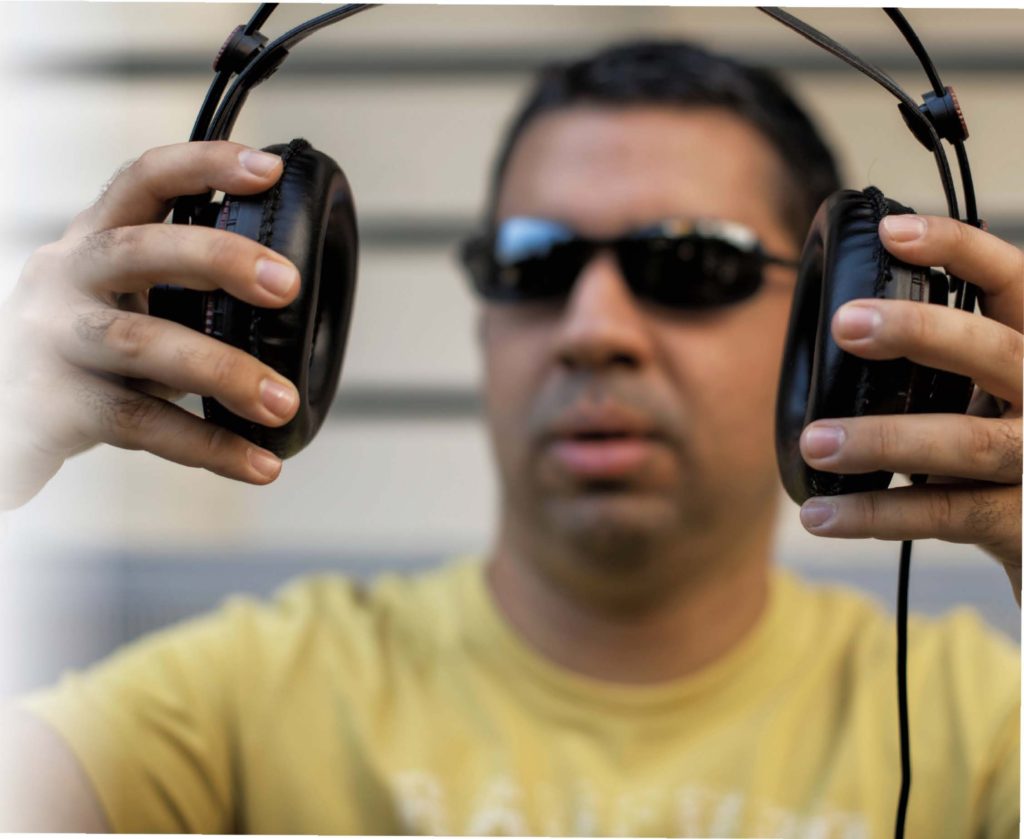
[(583, 397)]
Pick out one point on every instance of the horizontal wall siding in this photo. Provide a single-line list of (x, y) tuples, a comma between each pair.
[(412, 100)]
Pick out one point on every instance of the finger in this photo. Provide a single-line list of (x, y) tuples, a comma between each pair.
[(143, 191), (124, 260), (982, 515), (980, 348), (927, 444), (132, 420), (160, 391), (994, 266), (143, 347)]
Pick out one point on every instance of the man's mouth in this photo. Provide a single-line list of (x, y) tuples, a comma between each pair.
[(605, 447)]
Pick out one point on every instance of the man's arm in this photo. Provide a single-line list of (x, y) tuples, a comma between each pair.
[(42, 786)]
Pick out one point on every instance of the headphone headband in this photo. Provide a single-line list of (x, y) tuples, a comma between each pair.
[(246, 54), (926, 121)]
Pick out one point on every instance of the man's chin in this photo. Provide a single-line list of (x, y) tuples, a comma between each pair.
[(612, 525)]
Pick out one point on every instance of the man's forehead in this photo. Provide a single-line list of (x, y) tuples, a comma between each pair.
[(604, 168)]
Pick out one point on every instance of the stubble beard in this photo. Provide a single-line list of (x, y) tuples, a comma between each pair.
[(615, 548)]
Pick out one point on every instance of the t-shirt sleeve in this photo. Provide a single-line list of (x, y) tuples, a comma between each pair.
[(152, 727)]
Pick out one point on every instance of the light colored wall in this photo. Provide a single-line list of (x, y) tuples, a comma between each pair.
[(416, 147)]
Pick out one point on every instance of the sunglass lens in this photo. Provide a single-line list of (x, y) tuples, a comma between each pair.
[(690, 272), (531, 259)]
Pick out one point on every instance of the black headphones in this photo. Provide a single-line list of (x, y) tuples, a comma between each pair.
[(843, 260), (309, 217)]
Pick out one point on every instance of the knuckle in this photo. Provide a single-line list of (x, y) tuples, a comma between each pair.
[(213, 155), (221, 149), (939, 507), (217, 441), (92, 326), (131, 415), (984, 515), (982, 442), (146, 165), (118, 173), (224, 253), (886, 441), (127, 335), (225, 369), (1010, 346), (870, 509), (914, 323), (996, 444), (42, 262), (959, 234), (1008, 453), (103, 243)]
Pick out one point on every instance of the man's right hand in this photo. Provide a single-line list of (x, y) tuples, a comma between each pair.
[(81, 361)]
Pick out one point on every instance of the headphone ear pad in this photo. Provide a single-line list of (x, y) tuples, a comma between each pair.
[(308, 216), (843, 260)]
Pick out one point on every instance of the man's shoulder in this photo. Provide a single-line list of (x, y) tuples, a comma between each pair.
[(350, 616), (854, 617), (337, 596), (956, 655)]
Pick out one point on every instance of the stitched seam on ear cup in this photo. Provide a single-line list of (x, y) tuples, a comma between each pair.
[(880, 208), (271, 204), (865, 389)]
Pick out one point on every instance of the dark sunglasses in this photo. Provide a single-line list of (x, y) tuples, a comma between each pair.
[(697, 264)]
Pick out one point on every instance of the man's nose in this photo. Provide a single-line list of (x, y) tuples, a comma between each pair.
[(603, 324)]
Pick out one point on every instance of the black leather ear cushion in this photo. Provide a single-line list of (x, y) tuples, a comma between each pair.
[(308, 217), (843, 260)]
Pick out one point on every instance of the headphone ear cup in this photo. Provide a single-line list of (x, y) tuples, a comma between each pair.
[(844, 260), (308, 216)]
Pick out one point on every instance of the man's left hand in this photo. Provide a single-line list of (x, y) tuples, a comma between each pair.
[(978, 498)]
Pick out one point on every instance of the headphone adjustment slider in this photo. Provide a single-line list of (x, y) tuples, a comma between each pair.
[(943, 112), (238, 50)]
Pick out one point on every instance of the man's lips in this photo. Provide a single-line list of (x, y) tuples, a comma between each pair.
[(606, 445), (601, 458)]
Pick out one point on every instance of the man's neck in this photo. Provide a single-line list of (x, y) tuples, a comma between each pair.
[(697, 623)]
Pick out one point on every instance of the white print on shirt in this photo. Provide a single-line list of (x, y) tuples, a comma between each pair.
[(498, 810), (420, 800), (498, 807)]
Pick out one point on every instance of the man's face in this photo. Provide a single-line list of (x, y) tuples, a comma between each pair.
[(619, 425)]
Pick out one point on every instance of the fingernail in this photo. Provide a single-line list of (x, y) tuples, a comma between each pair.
[(276, 277), (854, 321), (905, 228), (816, 512), (277, 398), (823, 440), (258, 162), (264, 462)]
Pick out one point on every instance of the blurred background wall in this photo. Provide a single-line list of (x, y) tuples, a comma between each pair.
[(411, 100)]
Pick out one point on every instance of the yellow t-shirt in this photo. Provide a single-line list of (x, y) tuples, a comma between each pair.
[(410, 706)]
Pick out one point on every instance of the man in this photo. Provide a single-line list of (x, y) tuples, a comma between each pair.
[(627, 660)]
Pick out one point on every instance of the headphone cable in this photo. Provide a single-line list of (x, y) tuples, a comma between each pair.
[(901, 684)]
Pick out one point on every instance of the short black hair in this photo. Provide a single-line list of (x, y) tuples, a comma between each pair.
[(683, 74)]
